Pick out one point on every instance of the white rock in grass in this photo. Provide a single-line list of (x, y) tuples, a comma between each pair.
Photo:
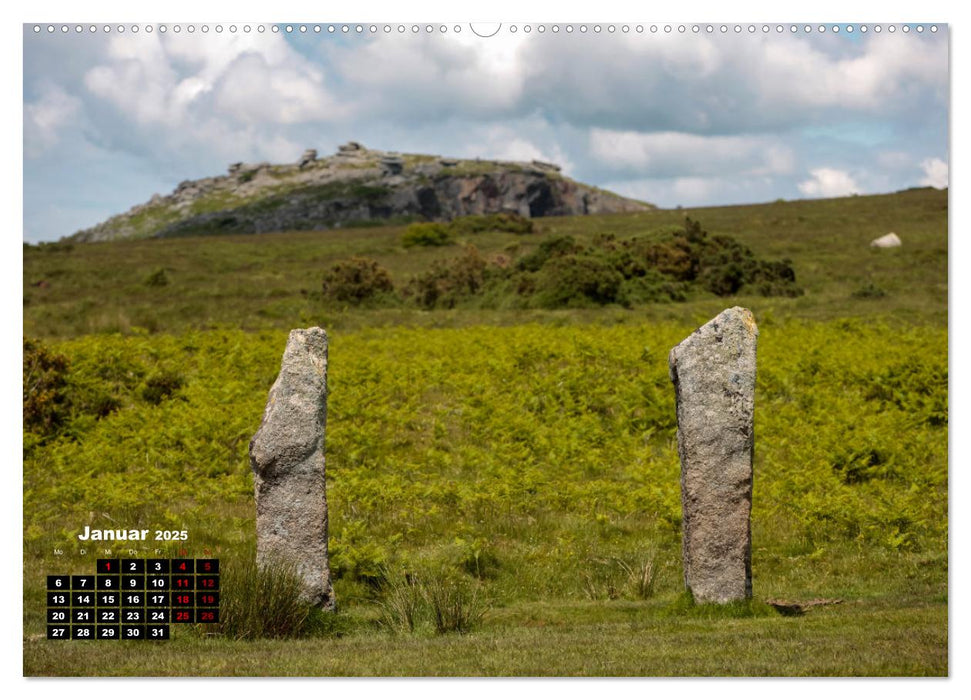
[(891, 240)]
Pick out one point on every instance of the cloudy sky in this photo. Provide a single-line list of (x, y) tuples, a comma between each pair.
[(673, 119)]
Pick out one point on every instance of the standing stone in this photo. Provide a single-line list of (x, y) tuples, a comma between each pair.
[(713, 371), (287, 457)]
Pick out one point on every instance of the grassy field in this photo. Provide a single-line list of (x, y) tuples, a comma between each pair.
[(273, 281), (527, 458), (606, 639)]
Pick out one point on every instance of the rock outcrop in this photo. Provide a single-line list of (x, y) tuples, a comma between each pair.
[(356, 185)]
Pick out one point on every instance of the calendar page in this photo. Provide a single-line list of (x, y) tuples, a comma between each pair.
[(519, 349)]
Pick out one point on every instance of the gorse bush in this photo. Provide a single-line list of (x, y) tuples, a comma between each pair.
[(426, 234), (261, 601), (667, 265), (449, 282), (356, 280), (57, 397), (577, 279)]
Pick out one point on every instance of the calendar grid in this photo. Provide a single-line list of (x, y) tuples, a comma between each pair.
[(133, 599)]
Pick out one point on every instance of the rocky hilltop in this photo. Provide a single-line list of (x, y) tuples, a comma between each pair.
[(358, 186)]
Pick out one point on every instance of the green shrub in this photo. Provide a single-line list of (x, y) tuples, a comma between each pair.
[(448, 282), (727, 266), (577, 280), (356, 280), (258, 602), (668, 264), (673, 258), (425, 234), (554, 247)]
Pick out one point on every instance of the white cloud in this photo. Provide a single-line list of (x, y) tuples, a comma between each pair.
[(828, 182), (681, 154), (414, 77), (182, 96), (732, 84), (250, 89), (253, 80), (46, 118), (935, 173)]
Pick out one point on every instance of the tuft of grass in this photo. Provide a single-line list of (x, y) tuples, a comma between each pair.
[(641, 576), (263, 602), (403, 605), (455, 604), (441, 601), (615, 578)]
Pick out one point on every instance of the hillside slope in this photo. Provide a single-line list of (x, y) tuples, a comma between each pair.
[(261, 282), (356, 186)]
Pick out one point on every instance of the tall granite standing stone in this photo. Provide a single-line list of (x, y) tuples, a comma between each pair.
[(713, 371), (287, 457)]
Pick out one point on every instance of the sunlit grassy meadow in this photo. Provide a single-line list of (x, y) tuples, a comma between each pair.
[(525, 457)]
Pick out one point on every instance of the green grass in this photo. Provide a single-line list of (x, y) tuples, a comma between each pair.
[(561, 639), (273, 281), (528, 456)]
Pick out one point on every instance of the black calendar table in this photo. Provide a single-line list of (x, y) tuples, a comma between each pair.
[(133, 599)]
